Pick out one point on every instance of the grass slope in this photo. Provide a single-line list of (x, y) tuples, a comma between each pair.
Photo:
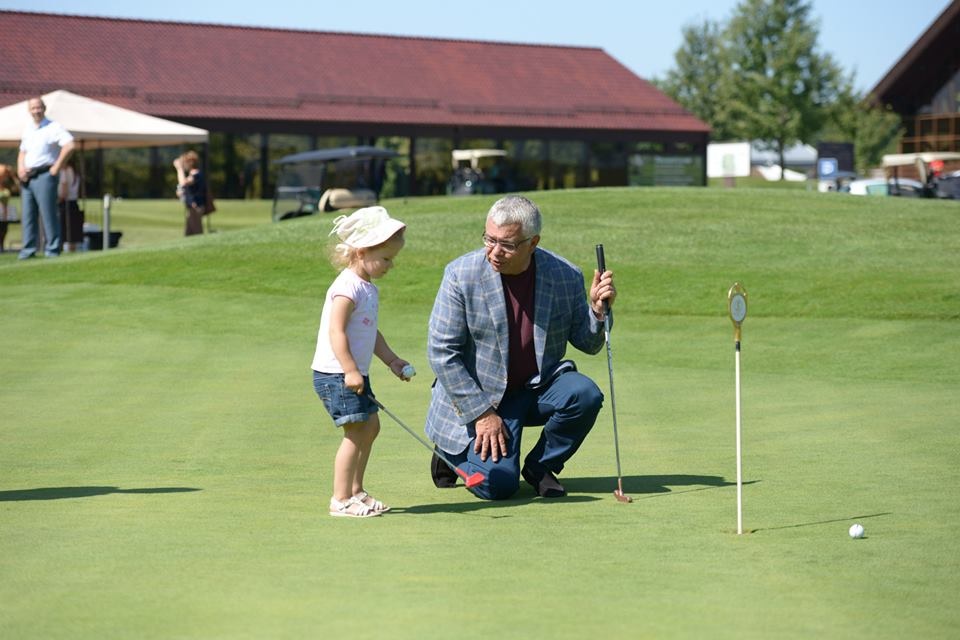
[(165, 464)]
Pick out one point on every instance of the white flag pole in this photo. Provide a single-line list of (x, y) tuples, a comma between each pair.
[(737, 301), (739, 455)]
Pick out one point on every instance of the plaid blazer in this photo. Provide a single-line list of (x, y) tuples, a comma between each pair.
[(468, 338)]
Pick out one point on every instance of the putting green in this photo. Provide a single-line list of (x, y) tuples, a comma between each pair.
[(165, 465)]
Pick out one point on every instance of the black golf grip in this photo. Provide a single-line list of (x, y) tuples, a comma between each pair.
[(601, 267)]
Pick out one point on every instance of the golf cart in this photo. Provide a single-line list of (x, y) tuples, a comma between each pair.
[(469, 174), (929, 167), (329, 179)]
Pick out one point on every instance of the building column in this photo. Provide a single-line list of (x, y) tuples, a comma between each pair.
[(266, 189), (412, 177)]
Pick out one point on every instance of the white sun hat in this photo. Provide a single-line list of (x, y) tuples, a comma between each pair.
[(366, 227)]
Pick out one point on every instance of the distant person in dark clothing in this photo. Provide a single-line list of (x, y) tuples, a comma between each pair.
[(191, 183)]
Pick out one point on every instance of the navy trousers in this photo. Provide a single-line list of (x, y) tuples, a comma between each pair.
[(567, 409)]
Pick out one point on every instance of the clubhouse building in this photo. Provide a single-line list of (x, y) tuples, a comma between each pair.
[(923, 87), (566, 117)]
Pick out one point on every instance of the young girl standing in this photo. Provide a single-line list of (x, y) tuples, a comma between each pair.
[(346, 343)]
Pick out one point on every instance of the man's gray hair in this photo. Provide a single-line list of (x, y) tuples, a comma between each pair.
[(516, 210)]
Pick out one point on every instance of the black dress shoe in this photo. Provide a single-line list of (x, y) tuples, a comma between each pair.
[(543, 482), (443, 476)]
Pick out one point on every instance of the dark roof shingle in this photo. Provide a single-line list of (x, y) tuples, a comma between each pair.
[(930, 62)]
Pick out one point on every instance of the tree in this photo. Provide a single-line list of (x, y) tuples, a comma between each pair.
[(759, 76), (775, 85), (694, 82), (874, 129)]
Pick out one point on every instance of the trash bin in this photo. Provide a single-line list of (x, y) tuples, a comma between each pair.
[(93, 238)]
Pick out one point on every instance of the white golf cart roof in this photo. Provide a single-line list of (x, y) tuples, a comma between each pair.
[(918, 160), (474, 155), (909, 159)]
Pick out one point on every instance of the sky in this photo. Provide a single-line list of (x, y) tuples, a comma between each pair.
[(866, 37)]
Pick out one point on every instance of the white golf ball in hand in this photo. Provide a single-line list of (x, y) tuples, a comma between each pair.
[(856, 531), (408, 371)]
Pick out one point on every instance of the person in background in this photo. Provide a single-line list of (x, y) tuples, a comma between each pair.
[(192, 185), (934, 174), (496, 341), (44, 148), (8, 184), (71, 218)]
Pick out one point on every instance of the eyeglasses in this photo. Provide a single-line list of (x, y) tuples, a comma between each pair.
[(509, 247)]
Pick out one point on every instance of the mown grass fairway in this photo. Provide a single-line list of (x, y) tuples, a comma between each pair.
[(165, 465)]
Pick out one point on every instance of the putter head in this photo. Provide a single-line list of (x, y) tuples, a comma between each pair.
[(621, 496), (473, 479)]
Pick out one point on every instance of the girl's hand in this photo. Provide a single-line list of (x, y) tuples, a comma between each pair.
[(353, 381), (397, 367)]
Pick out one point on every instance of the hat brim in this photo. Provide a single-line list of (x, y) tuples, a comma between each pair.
[(380, 234)]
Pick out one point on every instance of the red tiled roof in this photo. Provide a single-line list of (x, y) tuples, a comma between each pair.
[(190, 71)]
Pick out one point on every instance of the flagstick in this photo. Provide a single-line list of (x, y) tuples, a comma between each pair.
[(737, 301), (739, 465)]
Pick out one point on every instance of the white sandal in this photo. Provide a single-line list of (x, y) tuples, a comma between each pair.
[(351, 508), (368, 500)]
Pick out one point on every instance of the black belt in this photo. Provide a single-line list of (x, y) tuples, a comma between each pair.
[(36, 171)]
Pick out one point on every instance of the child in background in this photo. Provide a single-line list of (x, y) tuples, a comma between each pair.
[(346, 343), (71, 217)]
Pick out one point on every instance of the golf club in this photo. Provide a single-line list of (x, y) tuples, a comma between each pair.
[(471, 480), (618, 492)]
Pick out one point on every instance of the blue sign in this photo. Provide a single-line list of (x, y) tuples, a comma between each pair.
[(827, 167)]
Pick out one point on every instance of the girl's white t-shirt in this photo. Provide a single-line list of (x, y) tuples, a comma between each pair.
[(361, 327)]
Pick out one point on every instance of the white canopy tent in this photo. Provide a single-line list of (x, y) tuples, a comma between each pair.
[(96, 124)]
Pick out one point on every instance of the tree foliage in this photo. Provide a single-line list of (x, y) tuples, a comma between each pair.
[(873, 129), (694, 82), (775, 85), (761, 76)]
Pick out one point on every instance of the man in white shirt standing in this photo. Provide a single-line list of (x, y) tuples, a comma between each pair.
[(44, 147)]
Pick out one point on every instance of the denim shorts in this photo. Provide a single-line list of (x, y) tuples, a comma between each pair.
[(343, 405)]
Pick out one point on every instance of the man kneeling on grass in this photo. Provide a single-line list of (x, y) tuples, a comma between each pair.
[(498, 333)]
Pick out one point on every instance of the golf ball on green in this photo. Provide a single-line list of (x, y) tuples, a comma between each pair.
[(856, 531)]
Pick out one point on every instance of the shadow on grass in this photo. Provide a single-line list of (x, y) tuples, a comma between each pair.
[(632, 485), (63, 493), (819, 522), (472, 503), (653, 486), (656, 485)]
